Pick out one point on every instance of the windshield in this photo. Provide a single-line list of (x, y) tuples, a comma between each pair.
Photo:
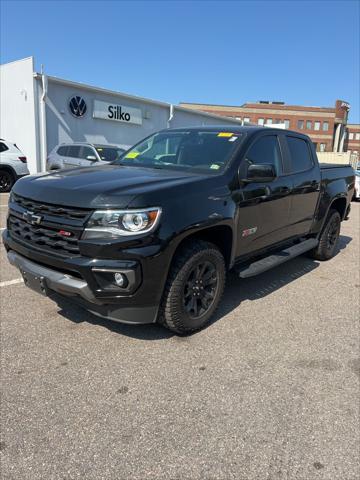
[(194, 150), (109, 154)]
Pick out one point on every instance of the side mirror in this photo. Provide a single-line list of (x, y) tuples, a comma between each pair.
[(92, 158), (260, 173)]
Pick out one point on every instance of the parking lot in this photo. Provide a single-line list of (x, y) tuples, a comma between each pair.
[(270, 390)]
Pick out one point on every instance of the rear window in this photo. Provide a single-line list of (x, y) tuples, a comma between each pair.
[(300, 154), (3, 147), (62, 151)]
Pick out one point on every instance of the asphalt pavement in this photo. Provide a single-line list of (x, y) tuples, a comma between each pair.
[(269, 391)]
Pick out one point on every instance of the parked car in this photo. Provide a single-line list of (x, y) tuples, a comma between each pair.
[(151, 237), (82, 155), (12, 165)]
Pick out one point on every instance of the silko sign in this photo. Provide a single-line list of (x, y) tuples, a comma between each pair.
[(119, 113)]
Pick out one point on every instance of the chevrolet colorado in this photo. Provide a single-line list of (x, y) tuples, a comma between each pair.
[(151, 237)]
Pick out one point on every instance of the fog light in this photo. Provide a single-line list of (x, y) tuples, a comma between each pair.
[(120, 279)]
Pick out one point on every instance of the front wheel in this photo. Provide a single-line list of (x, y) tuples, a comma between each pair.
[(329, 237), (194, 287)]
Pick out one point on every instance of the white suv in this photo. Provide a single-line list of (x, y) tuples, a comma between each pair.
[(12, 165), (82, 155)]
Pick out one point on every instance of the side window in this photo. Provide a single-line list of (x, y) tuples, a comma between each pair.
[(300, 154), (74, 151), (264, 151), (3, 147), (62, 151), (87, 152)]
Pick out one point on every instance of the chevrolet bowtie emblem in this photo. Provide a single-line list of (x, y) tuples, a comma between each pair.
[(31, 218)]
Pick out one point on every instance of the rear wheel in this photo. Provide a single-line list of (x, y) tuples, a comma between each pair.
[(329, 237), (194, 287), (7, 180)]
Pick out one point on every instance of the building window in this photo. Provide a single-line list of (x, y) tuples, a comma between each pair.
[(260, 121), (357, 136), (325, 126), (287, 123), (351, 136), (300, 124), (322, 147), (246, 120), (238, 118), (308, 124), (316, 125)]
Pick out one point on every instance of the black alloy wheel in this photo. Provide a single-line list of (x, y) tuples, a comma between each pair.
[(6, 181), (333, 232), (200, 289), (329, 237), (194, 287)]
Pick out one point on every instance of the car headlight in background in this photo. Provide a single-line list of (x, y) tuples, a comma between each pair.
[(117, 223)]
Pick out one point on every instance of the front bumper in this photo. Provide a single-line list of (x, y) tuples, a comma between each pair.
[(77, 279)]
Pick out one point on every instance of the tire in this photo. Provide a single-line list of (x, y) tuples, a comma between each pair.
[(329, 237), (7, 180), (194, 288)]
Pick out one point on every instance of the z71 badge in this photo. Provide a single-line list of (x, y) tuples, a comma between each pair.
[(249, 231)]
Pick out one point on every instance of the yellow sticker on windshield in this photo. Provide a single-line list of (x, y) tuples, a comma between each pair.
[(225, 134), (132, 155)]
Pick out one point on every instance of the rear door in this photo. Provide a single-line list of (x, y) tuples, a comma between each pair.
[(72, 158), (264, 208), (306, 177)]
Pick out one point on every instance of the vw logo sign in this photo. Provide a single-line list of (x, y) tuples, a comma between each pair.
[(77, 106)]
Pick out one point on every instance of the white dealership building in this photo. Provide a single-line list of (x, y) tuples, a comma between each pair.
[(39, 112)]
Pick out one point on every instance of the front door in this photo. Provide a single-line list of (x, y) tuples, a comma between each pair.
[(87, 156), (263, 207)]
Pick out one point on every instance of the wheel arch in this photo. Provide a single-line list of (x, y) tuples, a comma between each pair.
[(220, 235), (339, 204), (8, 168)]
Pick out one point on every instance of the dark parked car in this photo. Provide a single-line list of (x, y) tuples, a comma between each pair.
[(151, 237)]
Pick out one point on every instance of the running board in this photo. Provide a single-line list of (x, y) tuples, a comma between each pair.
[(277, 259)]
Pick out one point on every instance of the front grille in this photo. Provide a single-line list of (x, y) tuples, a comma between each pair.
[(49, 209), (41, 237), (46, 236)]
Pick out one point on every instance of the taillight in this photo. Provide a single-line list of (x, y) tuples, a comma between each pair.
[(23, 159)]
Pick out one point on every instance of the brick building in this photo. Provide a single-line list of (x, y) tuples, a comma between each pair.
[(326, 126), (352, 138)]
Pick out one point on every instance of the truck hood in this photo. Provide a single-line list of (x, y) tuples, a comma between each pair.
[(101, 186)]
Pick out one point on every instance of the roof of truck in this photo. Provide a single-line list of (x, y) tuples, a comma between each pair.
[(222, 128), (236, 129)]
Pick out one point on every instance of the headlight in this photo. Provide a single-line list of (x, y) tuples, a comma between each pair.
[(115, 223)]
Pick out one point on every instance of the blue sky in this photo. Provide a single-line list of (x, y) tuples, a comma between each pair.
[(303, 52)]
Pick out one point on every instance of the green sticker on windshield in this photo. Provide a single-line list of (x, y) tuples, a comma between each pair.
[(214, 166)]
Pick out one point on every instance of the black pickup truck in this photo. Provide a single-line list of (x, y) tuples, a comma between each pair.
[(151, 237)]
